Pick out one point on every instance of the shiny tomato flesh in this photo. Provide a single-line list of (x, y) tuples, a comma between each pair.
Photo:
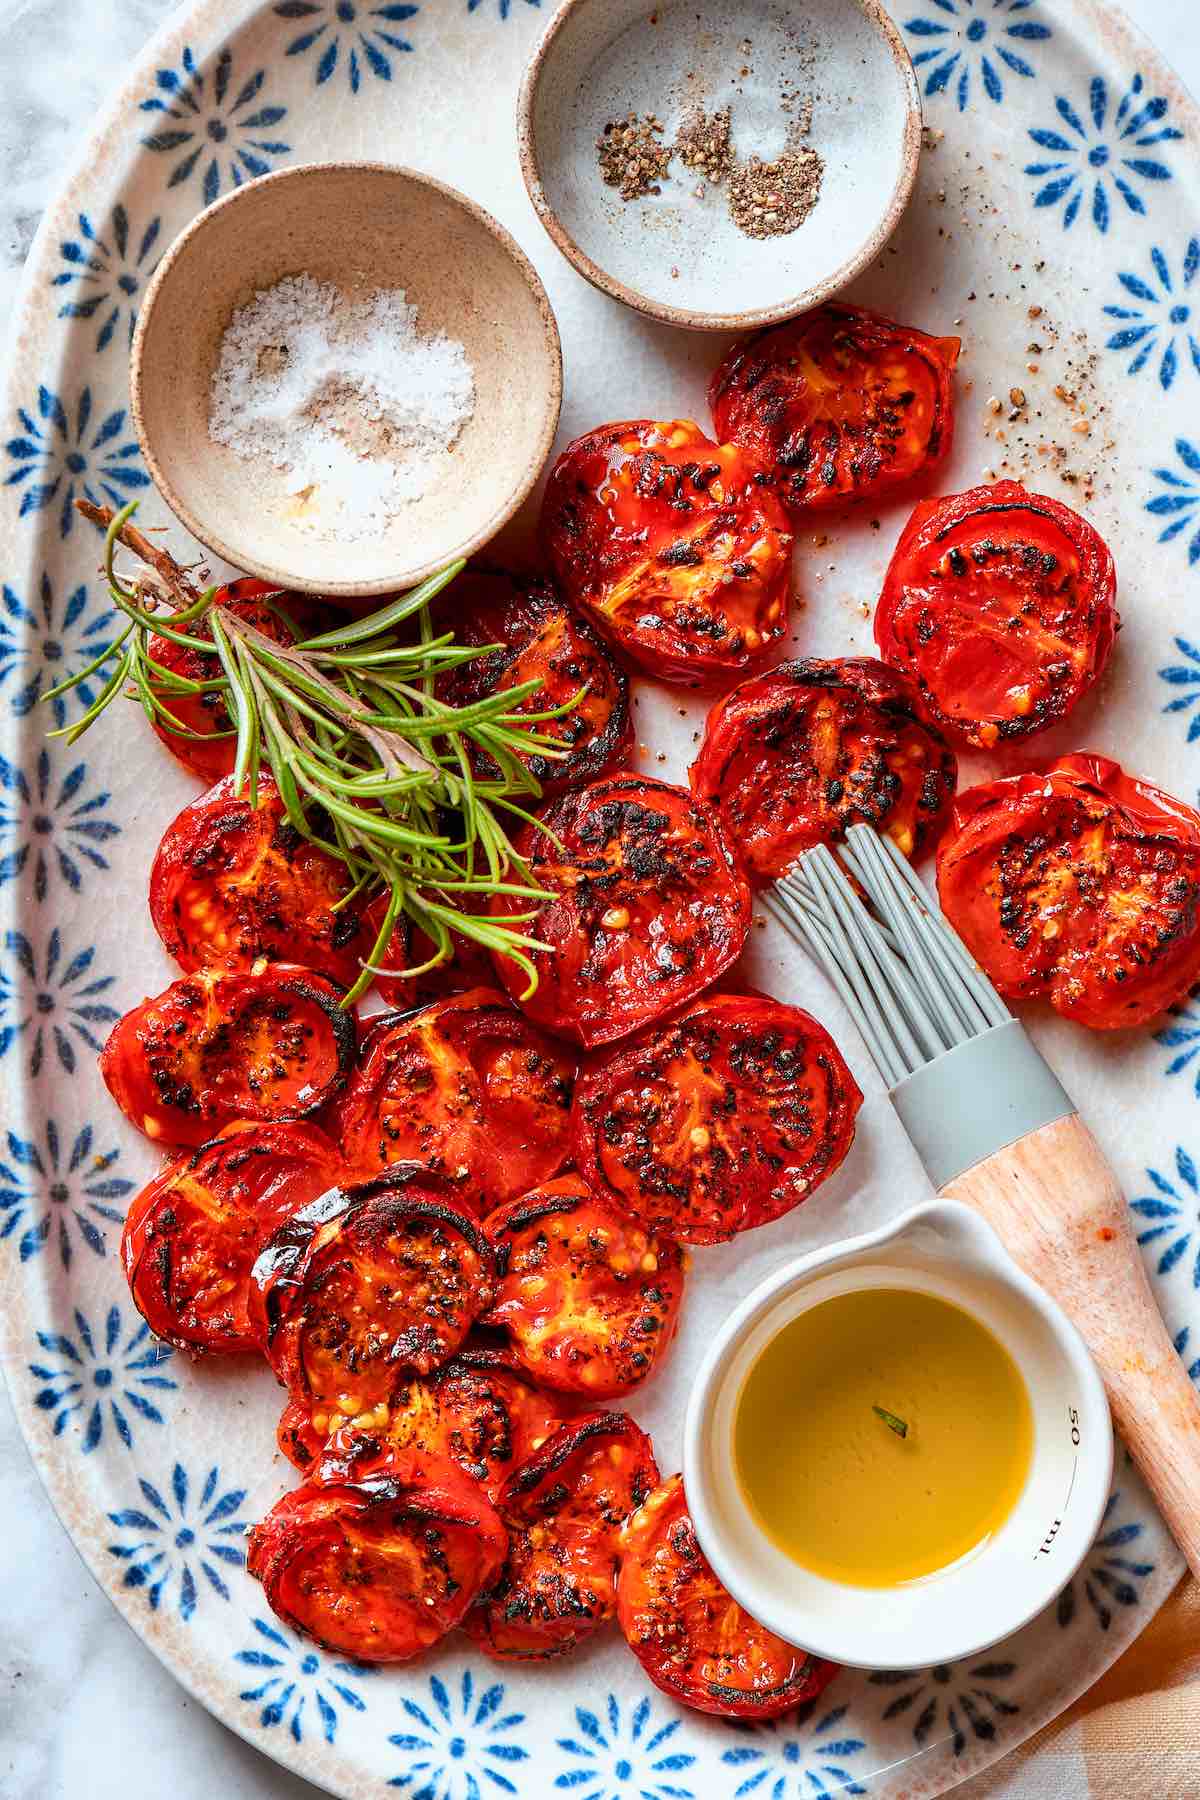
[(213, 1048), (589, 1299), (688, 1632), (648, 907), (841, 404), (677, 549), (792, 758), (1001, 605), (542, 639), (467, 1087), (379, 1570), (364, 1286), (232, 883), (719, 1120), (210, 752), (564, 1509), (481, 1410), (1080, 884), (192, 1235)]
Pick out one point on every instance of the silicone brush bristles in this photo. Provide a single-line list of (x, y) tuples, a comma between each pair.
[(904, 976)]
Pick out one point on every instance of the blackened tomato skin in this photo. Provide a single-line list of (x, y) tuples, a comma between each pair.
[(379, 1569), (688, 1632), (716, 1121), (563, 1510), (648, 907), (543, 639), (677, 549), (213, 1048), (232, 884), (842, 404), (192, 1235), (468, 1087), (1001, 606), (1079, 884), (790, 759), (589, 1299)]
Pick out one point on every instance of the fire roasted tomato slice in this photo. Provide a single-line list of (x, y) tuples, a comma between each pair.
[(589, 1299), (1001, 605), (232, 883), (379, 1569), (689, 1633), (365, 1286), (213, 1047), (469, 1088), (791, 758), (481, 1410), (722, 1119), (191, 1237), (543, 640), (278, 615), (675, 547), (1080, 884), (648, 908), (842, 404), (564, 1510)]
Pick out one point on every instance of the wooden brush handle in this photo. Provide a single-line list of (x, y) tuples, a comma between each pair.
[(1054, 1203)]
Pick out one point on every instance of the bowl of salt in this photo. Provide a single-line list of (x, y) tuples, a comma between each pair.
[(344, 377)]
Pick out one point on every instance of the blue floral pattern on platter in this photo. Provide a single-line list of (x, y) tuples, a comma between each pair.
[(63, 452), (968, 40), (214, 125), (799, 1755), (461, 1742), (176, 1535), (92, 1378), (1161, 327), (1108, 165), (289, 1673), (106, 274), (1096, 152), (51, 1194)]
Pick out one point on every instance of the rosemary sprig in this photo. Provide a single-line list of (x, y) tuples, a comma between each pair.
[(892, 1421), (370, 764)]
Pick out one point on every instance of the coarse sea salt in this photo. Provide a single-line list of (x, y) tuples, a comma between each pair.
[(345, 399)]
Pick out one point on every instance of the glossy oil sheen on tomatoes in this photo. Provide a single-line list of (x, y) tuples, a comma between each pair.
[(834, 1485)]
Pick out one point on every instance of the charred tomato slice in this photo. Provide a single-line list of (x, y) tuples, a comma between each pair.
[(192, 1236), (213, 1048), (1001, 605), (541, 639), (842, 404), (379, 1569), (689, 1633), (589, 1299), (791, 758), (467, 1087), (233, 883), (719, 1120), (481, 1410), (364, 1287), (648, 908), (564, 1510), (676, 548), (1080, 884)]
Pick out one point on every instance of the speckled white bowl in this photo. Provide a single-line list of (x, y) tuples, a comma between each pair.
[(677, 255)]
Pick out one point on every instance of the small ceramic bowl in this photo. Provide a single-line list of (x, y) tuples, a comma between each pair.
[(678, 255), (362, 227), (941, 1248)]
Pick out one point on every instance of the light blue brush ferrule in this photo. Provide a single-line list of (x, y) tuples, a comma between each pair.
[(977, 1098)]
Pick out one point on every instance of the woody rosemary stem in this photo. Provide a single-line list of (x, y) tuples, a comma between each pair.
[(370, 764)]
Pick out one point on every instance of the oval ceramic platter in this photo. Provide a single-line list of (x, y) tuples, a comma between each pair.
[(1054, 226)]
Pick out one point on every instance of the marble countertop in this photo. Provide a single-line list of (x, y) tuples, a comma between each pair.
[(86, 1713)]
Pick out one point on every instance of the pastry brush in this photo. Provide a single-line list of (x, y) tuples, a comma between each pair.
[(995, 1129)]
